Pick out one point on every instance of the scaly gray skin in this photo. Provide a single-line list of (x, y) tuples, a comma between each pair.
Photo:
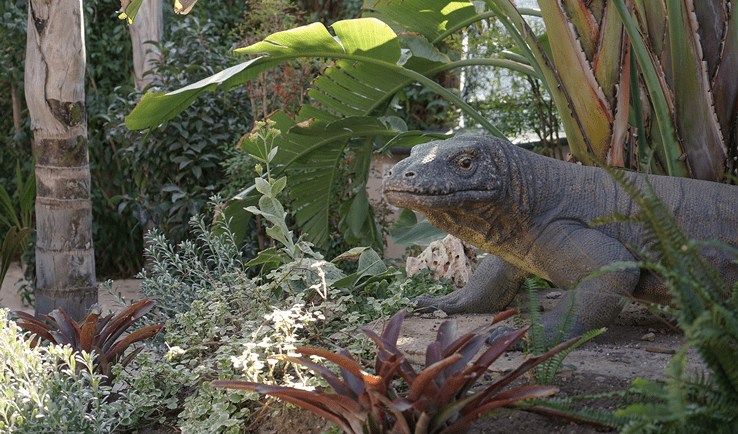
[(532, 212)]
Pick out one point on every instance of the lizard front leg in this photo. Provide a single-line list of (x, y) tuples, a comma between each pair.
[(569, 253), (492, 286)]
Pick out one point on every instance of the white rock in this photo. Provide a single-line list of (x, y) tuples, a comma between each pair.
[(450, 258)]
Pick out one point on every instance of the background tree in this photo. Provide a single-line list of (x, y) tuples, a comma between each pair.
[(55, 94)]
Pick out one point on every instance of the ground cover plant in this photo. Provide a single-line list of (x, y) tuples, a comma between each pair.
[(52, 389)]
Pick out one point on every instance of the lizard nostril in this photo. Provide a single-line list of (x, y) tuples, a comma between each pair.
[(409, 174)]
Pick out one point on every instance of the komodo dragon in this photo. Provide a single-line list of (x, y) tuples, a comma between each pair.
[(531, 213)]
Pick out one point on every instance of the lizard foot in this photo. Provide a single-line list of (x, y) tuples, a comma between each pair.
[(448, 303), (500, 332)]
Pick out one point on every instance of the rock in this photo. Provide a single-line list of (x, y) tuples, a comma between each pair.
[(554, 295), (450, 258), (648, 337), (440, 314)]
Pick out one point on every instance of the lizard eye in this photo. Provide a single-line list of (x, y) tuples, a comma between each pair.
[(465, 162)]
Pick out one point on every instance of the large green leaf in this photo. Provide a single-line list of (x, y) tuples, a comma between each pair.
[(658, 92), (695, 113), (408, 231), (434, 19), (317, 149)]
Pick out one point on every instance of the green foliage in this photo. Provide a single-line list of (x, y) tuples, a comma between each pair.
[(51, 389), (101, 336), (12, 244), (17, 214), (18, 210), (538, 342), (116, 238), (437, 399)]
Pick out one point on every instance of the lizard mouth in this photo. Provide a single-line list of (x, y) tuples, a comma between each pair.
[(453, 199)]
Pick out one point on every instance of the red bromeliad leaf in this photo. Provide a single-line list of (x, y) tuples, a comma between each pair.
[(344, 362), (392, 331), (59, 338), (33, 325), (384, 350), (134, 337), (496, 350), (355, 383), (446, 334), (338, 386), (433, 353), (468, 351), (454, 388), (89, 329), (319, 403), (502, 400), (520, 370), (67, 326), (503, 316), (120, 323), (348, 426), (425, 378), (101, 323), (103, 364), (401, 425), (453, 347)]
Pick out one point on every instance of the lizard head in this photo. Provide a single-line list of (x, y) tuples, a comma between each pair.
[(445, 174), (462, 185)]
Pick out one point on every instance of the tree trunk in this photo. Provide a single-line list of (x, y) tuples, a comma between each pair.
[(55, 95), (17, 108), (148, 26)]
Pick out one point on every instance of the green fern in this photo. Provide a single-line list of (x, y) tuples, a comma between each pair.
[(537, 342)]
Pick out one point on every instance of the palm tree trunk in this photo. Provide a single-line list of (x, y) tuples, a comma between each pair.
[(148, 26), (55, 95)]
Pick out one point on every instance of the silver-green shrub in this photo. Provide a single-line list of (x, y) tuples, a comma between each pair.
[(40, 392)]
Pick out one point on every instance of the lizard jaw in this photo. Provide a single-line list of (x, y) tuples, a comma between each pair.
[(420, 201)]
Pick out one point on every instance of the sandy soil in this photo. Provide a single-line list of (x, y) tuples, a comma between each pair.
[(638, 344), (14, 279)]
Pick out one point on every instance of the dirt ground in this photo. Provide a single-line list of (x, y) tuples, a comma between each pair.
[(10, 299), (638, 344)]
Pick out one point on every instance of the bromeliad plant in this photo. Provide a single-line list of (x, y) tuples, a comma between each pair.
[(436, 400), (94, 333)]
